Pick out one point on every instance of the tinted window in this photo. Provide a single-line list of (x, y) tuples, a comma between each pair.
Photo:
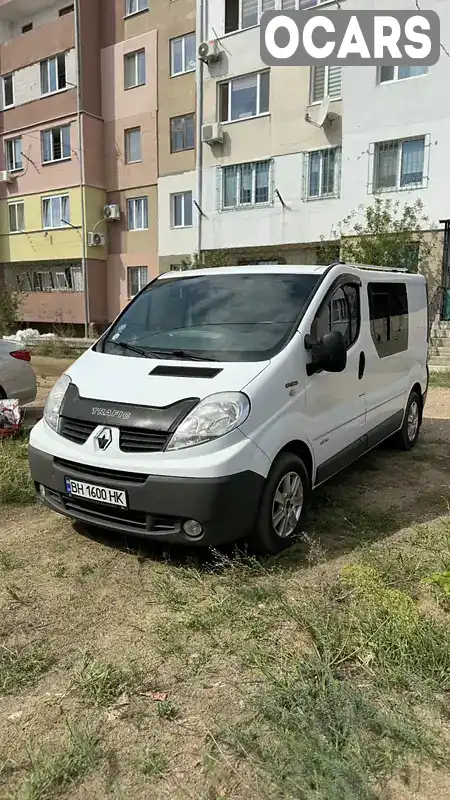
[(388, 309), (340, 313), (226, 317)]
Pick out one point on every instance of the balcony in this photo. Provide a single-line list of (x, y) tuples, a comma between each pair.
[(42, 42)]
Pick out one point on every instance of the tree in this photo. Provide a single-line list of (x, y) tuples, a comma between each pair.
[(385, 234), (206, 259), (10, 305)]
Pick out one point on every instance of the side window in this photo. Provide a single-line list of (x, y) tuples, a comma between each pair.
[(341, 313), (388, 309)]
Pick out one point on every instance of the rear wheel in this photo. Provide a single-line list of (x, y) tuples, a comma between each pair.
[(408, 434), (2, 393), (285, 497)]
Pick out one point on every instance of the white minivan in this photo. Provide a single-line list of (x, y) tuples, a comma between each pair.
[(219, 398)]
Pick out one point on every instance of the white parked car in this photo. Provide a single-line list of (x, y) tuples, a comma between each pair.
[(17, 377)]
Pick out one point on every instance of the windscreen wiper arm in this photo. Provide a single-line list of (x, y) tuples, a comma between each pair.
[(139, 350), (189, 355)]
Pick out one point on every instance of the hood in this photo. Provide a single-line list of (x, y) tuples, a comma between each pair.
[(157, 382)]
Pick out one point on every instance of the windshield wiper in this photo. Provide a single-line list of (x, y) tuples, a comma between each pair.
[(139, 350), (189, 355)]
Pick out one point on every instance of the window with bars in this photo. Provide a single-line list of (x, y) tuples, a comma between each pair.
[(241, 14), (322, 172), (135, 7), (133, 145), (134, 69), (55, 211), (399, 73), (399, 164), (244, 97), (137, 278), (246, 185), (56, 279), (55, 144), (8, 91), (13, 154), (182, 133), (183, 54), (53, 74), (137, 213), (181, 210), (325, 81), (16, 212)]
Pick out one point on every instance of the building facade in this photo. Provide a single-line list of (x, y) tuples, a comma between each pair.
[(106, 103)]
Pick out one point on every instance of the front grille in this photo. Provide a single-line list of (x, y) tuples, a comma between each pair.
[(131, 440), (76, 430), (130, 519), (135, 440), (100, 473)]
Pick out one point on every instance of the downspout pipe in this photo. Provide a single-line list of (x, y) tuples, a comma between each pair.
[(200, 26), (81, 162)]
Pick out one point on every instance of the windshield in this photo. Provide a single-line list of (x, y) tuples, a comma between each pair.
[(228, 317)]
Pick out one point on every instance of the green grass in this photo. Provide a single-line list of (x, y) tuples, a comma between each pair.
[(104, 684), (440, 379), (15, 482), (51, 775), (21, 669), (153, 764)]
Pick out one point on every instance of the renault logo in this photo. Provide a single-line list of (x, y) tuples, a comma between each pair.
[(104, 438)]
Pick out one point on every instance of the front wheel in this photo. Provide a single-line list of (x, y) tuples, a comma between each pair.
[(408, 434), (285, 497)]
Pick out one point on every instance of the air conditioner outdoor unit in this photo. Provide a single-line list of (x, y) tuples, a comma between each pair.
[(96, 239), (212, 133), (112, 212), (209, 51), (6, 176)]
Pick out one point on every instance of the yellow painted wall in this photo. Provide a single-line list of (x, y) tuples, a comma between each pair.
[(36, 244)]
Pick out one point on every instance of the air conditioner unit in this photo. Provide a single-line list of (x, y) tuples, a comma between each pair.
[(96, 239), (212, 133), (6, 176), (111, 212), (209, 51)]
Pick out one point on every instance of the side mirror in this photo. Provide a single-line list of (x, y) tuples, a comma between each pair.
[(330, 354)]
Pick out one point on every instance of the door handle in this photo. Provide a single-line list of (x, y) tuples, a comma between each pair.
[(362, 365)]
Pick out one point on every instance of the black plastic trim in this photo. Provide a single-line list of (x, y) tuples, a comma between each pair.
[(186, 372)]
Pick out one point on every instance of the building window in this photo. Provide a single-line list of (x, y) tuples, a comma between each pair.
[(322, 170), (241, 98), (134, 69), (53, 74), (133, 145), (388, 74), (13, 149), (340, 313), (246, 185), (27, 28), (182, 54), (55, 144), (138, 214), (135, 6), (325, 81), (55, 211), (137, 280), (388, 312), (182, 133), (16, 217), (240, 14), (181, 210), (399, 164), (66, 10), (8, 91)]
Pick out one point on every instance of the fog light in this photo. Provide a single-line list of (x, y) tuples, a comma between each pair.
[(42, 491), (192, 528)]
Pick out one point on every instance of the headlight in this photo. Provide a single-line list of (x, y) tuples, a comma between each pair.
[(54, 401), (214, 416)]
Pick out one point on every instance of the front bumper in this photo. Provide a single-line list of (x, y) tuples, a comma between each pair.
[(226, 507)]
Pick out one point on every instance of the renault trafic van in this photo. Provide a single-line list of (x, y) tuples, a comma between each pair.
[(220, 398)]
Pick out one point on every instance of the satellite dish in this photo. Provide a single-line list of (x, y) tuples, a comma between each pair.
[(322, 112)]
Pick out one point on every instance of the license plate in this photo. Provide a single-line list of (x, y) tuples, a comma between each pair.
[(99, 494)]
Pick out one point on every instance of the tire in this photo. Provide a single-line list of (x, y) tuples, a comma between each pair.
[(408, 434), (269, 537), (2, 393)]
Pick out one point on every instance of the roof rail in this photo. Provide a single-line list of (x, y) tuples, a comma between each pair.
[(370, 267)]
